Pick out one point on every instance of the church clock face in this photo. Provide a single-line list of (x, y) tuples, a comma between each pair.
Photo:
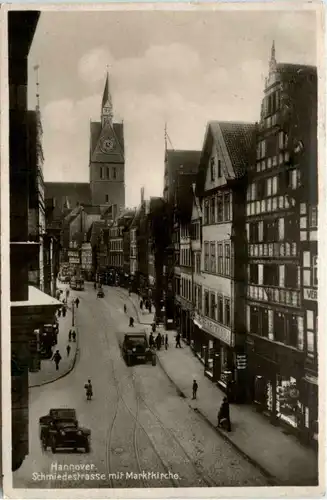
[(107, 145)]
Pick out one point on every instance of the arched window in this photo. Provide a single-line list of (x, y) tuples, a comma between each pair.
[(114, 172)]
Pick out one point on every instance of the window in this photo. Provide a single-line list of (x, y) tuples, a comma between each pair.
[(315, 270), (227, 206), (220, 309), (213, 210), (219, 169), (254, 320), (212, 169), (253, 274), (279, 326), (313, 217), (114, 172), (213, 257), (220, 209), (310, 320), (291, 272), (227, 312), (206, 256), (254, 232), (269, 186), (206, 211), (227, 259), (107, 172), (206, 303), (292, 331), (274, 185), (264, 323), (107, 198), (220, 258), (213, 305), (198, 263), (310, 344), (271, 275), (101, 172)]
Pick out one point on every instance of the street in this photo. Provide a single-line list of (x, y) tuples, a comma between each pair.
[(138, 421)]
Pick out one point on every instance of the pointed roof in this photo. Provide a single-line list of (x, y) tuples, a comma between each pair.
[(106, 93), (97, 132)]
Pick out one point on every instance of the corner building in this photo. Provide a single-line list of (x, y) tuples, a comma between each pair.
[(278, 186)]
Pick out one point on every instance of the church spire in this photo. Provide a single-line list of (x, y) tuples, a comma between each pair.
[(273, 62), (106, 111)]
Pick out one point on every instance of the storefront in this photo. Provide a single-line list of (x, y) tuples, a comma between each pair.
[(183, 318), (275, 382), (213, 344)]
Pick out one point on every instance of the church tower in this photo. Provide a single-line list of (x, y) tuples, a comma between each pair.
[(107, 158)]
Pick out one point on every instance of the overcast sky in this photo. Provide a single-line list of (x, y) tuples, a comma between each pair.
[(185, 68)]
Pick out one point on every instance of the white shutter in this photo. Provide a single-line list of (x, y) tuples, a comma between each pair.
[(282, 275), (260, 274), (260, 231), (281, 229), (270, 324)]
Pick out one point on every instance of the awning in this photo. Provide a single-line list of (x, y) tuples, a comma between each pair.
[(37, 298)]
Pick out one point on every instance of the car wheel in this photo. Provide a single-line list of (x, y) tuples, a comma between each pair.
[(87, 447), (53, 445)]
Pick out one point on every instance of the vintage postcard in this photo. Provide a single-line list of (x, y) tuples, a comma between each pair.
[(160, 197)]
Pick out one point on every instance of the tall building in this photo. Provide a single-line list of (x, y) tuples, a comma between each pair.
[(107, 157), (279, 188)]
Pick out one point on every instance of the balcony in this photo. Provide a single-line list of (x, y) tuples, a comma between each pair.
[(275, 250), (275, 295)]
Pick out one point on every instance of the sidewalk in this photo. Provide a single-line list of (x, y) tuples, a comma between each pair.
[(143, 317), (280, 456), (48, 372)]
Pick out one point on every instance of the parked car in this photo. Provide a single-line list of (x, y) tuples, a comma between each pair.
[(135, 347), (60, 429)]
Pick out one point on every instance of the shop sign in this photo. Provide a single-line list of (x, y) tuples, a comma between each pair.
[(310, 294), (73, 260), (218, 331), (73, 253), (241, 361)]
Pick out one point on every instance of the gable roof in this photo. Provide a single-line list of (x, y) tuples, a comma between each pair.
[(238, 139), (189, 159), (71, 193)]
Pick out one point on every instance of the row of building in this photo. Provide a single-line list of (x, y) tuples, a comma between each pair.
[(229, 253)]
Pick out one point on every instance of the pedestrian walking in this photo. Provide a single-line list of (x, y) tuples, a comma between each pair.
[(68, 350), (150, 307), (56, 358), (194, 389), (178, 340), (158, 341), (77, 302), (74, 335), (95, 286), (67, 293), (153, 326), (162, 339), (131, 321), (141, 305), (70, 335), (224, 415), (151, 340), (89, 390), (125, 309), (59, 313), (64, 310), (166, 341)]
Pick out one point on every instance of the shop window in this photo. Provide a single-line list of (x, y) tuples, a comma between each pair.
[(227, 259), (213, 210), (206, 256), (220, 309), (212, 169), (213, 306), (213, 257), (279, 327), (287, 396), (206, 303), (220, 208), (227, 312), (220, 258), (254, 319), (227, 216), (291, 276)]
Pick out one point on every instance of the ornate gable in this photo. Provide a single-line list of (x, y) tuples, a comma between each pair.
[(108, 148)]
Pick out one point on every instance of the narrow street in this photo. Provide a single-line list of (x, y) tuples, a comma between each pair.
[(137, 419)]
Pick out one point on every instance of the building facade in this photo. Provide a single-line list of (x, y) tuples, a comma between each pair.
[(276, 345)]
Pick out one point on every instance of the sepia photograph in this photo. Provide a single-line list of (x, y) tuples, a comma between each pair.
[(163, 206)]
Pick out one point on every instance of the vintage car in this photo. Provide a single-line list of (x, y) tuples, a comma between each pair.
[(60, 429), (100, 293), (135, 347)]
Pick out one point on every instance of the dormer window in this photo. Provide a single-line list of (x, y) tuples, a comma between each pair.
[(219, 169), (212, 169)]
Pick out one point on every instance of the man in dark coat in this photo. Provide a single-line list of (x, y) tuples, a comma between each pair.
[(151, 340), (194, 389), (224, 415), (158, 341), (178, 340), (77, 302), (56, 358)]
